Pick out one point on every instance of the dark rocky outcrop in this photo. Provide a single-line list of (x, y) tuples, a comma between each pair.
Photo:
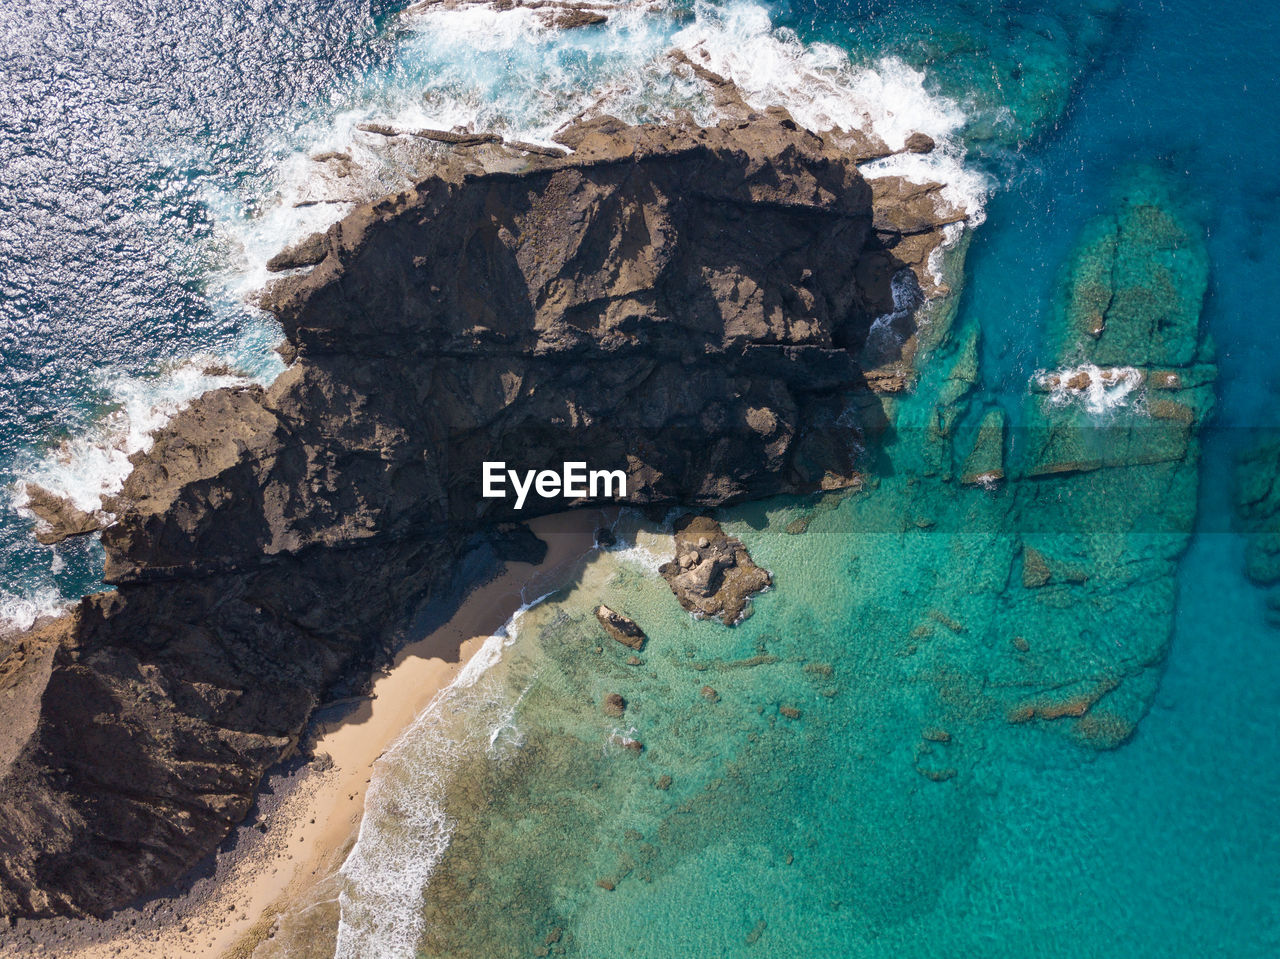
[(920, 143), (62, 518), (686, 304), (621, 628), (712, 574)]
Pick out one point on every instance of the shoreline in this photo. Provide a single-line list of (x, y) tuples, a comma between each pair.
[(309, 812)]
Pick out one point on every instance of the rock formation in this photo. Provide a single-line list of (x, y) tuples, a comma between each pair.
[(712, 574), (614, 705), (622, 629), (687, 304), (61, 518)]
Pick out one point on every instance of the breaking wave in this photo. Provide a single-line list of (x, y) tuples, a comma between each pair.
[(405, 830), (1099, 390), (481, 68)]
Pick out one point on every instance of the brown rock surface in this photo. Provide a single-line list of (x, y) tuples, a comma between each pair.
[(614, 705), (621, 628), (715, 580), (62, 516), (920, 143)]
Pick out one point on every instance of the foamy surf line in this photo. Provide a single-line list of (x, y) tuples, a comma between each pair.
[(20, 612), (479, 68), (404, 832), (95, 464), (91, 466), (1099, 390)]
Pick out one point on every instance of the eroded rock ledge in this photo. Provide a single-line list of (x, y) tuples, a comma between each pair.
[(688, 304)]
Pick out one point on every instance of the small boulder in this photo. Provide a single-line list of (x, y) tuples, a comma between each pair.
[(797, 526), (614, 705), (938, 775), (621, 628), (920, 143), (306, 252)]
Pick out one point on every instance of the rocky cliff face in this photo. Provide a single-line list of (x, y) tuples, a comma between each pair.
[(689, 305)]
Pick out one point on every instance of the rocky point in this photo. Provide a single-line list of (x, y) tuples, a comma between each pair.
[(691, 305)]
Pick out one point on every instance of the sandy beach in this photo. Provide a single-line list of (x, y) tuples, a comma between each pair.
[(282, 866)]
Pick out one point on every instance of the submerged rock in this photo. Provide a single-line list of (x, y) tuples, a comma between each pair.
[(715, 579), (1257, 504), (614, 705), (985, 463), (798, 526), (1035, 570)]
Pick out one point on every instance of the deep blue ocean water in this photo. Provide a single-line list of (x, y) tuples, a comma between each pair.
[(144, 149)]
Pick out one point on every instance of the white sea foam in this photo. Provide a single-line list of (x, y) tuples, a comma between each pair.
[(405, 830), (481, 68), (20, 611), (1099, 390), (94, 464), (824, 89), (643, 553)]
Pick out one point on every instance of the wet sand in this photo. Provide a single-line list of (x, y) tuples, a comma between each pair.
[(285, 862)]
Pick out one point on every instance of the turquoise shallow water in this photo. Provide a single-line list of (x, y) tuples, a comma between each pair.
[(900, 812)]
